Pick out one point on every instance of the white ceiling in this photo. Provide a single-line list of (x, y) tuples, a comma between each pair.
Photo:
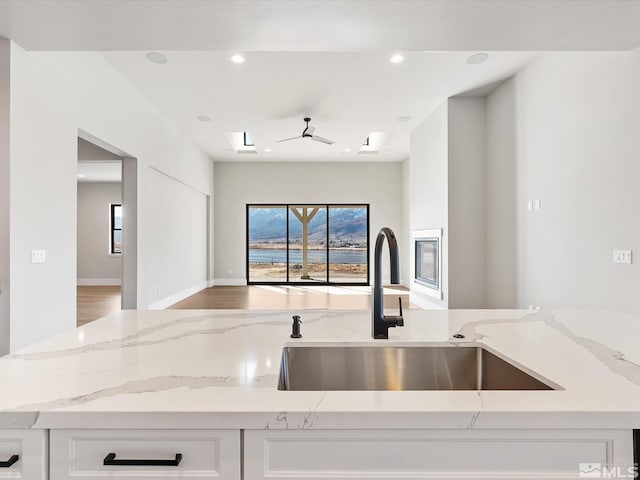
[(322, 25), (96, 164), (99, 172), (327, 59), (347, 95)]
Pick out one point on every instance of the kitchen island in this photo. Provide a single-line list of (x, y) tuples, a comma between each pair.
[(151, 382)]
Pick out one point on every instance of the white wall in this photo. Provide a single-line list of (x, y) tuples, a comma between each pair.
[(565, 131), (239, 184), (4, 194), (177, 233), (405, 228), (96, 266), (466, 200), (53, 95), (501, 206), (428, 165)]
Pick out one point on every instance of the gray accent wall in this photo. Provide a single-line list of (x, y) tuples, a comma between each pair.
[(96, 266), (5, 113), (237, 184)]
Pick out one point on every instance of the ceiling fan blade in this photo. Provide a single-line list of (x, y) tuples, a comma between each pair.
[(288, 139), (322, 140)]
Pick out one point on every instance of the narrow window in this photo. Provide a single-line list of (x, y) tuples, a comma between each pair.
[(115, 224)]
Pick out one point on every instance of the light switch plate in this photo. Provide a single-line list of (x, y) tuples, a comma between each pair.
[(38, 256), (622, 256)]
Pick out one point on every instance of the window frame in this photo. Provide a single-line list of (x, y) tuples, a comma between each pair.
[(328, 207), (113, 228)]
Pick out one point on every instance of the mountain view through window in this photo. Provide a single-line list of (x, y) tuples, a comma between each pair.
[(307, 244)]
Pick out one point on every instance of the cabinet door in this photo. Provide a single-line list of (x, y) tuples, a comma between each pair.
[(441, 454), (135, 454), (23, 454)]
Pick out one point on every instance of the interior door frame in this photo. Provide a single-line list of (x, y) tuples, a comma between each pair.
[(129, 288)]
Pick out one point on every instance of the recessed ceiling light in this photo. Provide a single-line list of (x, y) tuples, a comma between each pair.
[(397, 58), (267, 150), (155, 57), (404, 118), (237, 58), (80, 175), (203, 118), (477, 58), (347, 150)]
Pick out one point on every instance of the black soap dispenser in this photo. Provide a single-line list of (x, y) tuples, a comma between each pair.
[(295, 328)]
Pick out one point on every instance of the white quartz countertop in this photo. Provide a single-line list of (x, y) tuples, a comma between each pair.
[(219, 369)]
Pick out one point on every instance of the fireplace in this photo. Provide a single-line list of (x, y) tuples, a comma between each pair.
[(428, 261)]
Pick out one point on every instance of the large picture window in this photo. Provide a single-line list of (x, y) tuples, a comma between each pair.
[(308, 244), (115, 228)]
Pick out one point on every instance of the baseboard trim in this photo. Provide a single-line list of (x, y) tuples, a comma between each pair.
[(424, 303), (94, 282), (176, 297), (229, 282)]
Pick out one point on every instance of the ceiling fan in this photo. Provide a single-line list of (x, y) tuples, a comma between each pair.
[(308, 133)]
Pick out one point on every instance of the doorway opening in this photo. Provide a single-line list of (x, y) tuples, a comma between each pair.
[(106, 236)]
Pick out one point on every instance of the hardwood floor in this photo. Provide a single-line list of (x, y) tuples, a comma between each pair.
[(285, 297), (94, 302)]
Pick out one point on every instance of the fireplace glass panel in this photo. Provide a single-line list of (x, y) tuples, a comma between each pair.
[(427, 262)]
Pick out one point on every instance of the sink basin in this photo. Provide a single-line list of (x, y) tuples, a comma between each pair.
[(400, 368)]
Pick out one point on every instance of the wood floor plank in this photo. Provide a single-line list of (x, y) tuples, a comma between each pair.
[(97, 302), (93, 302), (286, 297)]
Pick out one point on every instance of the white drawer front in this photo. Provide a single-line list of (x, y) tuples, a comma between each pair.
[(80, 454), (30, 446), (429, 454)]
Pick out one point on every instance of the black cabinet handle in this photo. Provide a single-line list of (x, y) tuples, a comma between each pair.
[(10, 462), (110, 459)]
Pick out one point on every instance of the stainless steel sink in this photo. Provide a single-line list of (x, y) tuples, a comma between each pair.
[(400, 368)]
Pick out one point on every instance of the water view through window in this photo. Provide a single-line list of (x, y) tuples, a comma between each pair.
[(312, 244)]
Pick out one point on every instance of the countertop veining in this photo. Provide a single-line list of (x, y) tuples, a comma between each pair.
[(219, 369)]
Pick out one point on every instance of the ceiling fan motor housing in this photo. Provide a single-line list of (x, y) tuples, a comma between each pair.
[(308, 132)]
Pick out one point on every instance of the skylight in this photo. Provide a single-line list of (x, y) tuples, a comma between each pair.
[(373, 143), (241, 142)]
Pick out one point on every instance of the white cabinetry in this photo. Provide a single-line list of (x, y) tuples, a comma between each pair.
[(167, 454), (23, 454), (450, 454)]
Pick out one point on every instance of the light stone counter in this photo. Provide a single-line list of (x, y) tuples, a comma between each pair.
[(219, 369)]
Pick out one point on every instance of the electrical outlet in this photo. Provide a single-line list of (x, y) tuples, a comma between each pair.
[(38, 256), (622, 256)]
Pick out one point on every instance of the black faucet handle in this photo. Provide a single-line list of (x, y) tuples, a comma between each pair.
[(400, 304)]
